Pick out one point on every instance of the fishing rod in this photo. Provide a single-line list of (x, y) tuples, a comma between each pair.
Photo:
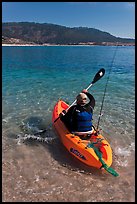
[(100, 114)]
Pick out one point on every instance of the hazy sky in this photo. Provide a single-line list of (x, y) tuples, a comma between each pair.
[(116, 18)]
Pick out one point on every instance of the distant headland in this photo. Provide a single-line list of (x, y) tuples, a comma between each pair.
[(45, 34)]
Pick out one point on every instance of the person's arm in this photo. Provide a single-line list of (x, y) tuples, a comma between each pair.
[(91, 98), (66, 117)]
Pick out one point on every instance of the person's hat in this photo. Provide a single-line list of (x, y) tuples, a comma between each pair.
[(81, 97)]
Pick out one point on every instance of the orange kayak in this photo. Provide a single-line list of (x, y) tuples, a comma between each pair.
[(80, 148)]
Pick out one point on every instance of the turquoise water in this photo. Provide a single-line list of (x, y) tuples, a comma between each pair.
[(35, 78)]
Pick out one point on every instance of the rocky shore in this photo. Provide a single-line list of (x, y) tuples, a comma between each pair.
[(80, 44), (18, 42)]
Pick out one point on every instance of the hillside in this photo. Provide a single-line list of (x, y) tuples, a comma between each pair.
[(42, 33)]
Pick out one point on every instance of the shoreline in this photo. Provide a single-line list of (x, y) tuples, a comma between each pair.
[(14, 44), (46, 45), (20, 45)]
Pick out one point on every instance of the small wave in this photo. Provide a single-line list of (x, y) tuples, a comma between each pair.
[(122, 163), (122, 151), (126, 151), (124, 154), (6, 120), (47, 139), (132, 146)]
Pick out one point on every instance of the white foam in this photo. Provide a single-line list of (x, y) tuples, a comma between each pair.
[(4, 120), (122, 151), (122, 163), (132, 146), (124, 154), (38, 138), (126, 151)]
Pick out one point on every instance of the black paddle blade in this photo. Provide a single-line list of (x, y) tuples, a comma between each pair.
[(98, 75)]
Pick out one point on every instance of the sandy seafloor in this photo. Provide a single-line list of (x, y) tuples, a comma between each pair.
[(34, 171)]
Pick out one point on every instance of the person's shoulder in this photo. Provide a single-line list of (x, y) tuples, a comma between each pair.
[(72, 108), (89, 94)]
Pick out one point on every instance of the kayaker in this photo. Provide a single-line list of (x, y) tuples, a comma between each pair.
[(78, 119)]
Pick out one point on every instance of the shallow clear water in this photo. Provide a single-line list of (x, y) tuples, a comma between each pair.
[(33, 79)]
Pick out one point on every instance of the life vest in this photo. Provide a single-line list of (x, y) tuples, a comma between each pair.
[(84, 121)]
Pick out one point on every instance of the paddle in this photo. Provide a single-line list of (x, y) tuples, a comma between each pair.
[(98, 76)]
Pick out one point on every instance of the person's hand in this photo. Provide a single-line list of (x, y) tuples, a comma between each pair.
[(84, 91), (62, 113)]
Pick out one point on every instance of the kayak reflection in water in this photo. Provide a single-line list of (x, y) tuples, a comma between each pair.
[(78, 118)]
